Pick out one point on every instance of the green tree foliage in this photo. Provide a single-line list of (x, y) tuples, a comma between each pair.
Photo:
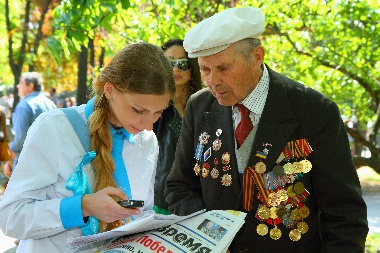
[(332, 47), (26, 24), (328, 45)]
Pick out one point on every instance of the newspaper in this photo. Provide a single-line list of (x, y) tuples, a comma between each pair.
[(148, 220), (205, 232)]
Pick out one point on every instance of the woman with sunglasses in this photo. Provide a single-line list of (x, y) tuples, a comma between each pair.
[(167, 128)]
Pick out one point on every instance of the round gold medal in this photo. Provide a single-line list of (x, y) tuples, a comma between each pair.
[(275, 233), (273, 212), (295, 235), (297, 167), (260, 167), (306, 166), (273, 199), (278, 170), (295, 214), (283, 194), (302, 227), (289, 168), (263, 212), (281, 211), (262, 229), (299, 187), (290, 191), (304, 211)]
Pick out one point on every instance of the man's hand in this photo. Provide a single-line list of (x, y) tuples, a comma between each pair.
[(102, 206)]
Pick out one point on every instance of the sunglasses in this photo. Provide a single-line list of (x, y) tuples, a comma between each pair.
[(182, 64)]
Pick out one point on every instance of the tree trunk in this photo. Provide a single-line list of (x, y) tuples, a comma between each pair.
[(82, 76)]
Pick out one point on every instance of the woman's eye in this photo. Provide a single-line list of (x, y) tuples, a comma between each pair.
[(137, 111)]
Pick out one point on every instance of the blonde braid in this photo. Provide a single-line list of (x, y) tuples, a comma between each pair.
[(101, 143)]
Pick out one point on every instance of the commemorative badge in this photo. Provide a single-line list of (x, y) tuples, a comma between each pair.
[(205, 170), (226, 180)]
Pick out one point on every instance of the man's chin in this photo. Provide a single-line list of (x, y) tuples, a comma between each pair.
[(225, 101)]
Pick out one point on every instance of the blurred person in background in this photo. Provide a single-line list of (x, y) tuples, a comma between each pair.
[(167, 128), (33, 102)]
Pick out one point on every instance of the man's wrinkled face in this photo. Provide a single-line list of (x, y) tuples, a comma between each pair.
[(229, 75)]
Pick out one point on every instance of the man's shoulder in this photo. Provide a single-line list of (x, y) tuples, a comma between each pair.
[(296, 89), (203, 95)]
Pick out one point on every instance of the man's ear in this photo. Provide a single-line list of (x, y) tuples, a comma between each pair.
[(30, 87), (258, 54)]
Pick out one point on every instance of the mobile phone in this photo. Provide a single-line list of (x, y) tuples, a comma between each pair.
[(131, 203)]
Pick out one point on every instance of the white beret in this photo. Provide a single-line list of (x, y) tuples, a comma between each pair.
[(216, 33)]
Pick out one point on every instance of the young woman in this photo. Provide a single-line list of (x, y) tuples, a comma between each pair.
[(167, 128), (46, 202)]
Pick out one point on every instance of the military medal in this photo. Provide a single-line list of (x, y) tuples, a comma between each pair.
[(306, 150), (281, 212), (302, 227), (282, 194), (289, 168), (297, 167), (214, 173), (278, 170), (273, 199), (295, 214), (283, 198), (263, 212), (226, 180), (304, 211), (290, 191), (216, 145), (306, 166), (295, 235), (260, 167), (203, 140), (197, 169), (262, 229), (299, 187), (226, 158), (205, 170), (275, 233), (287, 220), (273, 212)]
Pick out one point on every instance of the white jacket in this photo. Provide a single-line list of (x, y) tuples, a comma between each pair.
[(30, 206)]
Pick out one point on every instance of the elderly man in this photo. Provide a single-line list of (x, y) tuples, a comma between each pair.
[(258, 141), (33, 102)]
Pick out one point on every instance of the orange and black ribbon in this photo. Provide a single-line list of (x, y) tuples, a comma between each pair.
[(248, 189), (250, 179)]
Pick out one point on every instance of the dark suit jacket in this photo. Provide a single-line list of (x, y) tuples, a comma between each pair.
[(337, 220), (167, 134)]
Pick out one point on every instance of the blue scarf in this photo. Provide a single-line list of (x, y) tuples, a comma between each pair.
[(78, 182)]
